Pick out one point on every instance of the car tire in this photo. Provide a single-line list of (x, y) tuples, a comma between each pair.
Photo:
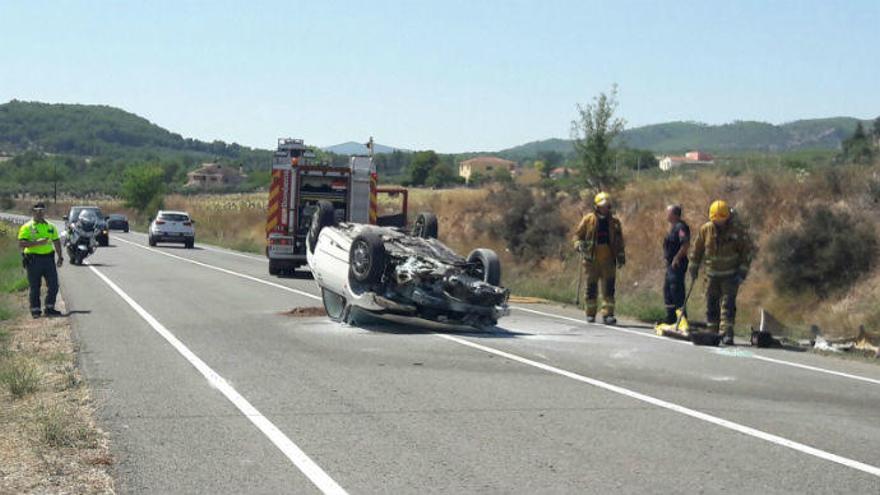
[(152, 241), (425, 226), (366, 258), (489, 266), (125, 230), (274, 269), (324, 216), (334, 304), (189, 244)]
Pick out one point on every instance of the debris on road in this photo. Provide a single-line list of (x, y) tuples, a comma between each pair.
[(307, 312), (862, 343)]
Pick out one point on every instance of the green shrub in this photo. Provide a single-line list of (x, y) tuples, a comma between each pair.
[(530, 225), (20, 376), (827, 251), (60, 428)]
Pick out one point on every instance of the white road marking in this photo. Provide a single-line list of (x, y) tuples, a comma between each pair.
[(730, 425), (813, 368), (299, 458), (224, 270), (750, 355), (518, 308), (209, 247)]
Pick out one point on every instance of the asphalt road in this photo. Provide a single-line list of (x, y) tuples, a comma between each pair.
[(206, 387)]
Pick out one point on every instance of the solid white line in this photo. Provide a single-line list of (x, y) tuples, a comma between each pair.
[(299, 458), (519, 308), (813, 368), (730, 425), (582, 322), (673, 341), (210, 247), (224, 270)]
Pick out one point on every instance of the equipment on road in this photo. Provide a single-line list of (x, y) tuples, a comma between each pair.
[(394, 271), (299, 182), (81, 240), (681, 329)]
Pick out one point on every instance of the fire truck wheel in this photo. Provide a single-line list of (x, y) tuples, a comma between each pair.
[(323, 217)]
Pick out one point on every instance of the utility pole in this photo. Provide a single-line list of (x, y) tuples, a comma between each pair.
[(55, 183), (639, 167)]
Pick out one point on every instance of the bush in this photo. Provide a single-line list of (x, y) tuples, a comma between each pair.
[(828, 251), (530, 223), (20, 376)]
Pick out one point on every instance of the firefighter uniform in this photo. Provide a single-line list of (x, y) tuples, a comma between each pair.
[(600, 240), (674, 282), (727, 251), (40, 263)]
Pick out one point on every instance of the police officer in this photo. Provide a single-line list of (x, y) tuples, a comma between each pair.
[(675, 251), (599, 238), (40, 242), (725, 246)]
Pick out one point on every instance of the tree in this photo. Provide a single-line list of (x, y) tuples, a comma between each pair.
[(858, 148), (502, 176), (421, 165), (877, 129), (143, 186), (543, 168), (440, 175), (552, 158), (593, 133)]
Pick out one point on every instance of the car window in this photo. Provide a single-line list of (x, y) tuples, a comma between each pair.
[(173, 217), (74, 212)]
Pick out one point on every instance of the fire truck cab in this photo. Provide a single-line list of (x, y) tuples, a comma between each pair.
[(298, 182)]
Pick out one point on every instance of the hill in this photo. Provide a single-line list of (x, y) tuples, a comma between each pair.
[(675, 137), (355, 148), (102, 131)]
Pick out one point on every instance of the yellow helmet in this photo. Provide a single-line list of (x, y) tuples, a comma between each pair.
[(602, 199), (719, 211)]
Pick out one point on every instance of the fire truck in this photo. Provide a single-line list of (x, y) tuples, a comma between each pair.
[(299, 181)]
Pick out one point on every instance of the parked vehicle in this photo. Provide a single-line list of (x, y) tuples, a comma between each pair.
[(173, 227), (116, 221), (103, 236), (82, 233), (298, 183), (388, 270)]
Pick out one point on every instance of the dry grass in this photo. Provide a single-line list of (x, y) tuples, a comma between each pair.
[(49, 442)]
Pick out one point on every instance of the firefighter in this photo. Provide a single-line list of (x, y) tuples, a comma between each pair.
[(40, 242), (675, 252), (724, 244), (599, 239)]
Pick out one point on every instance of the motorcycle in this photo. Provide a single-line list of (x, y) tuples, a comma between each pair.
[(81, 238)]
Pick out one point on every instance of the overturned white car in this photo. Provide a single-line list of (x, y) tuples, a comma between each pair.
[(389, 270)]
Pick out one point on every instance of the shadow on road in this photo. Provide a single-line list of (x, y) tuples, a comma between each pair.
[(410, 326), (179, 246), (298, 275)]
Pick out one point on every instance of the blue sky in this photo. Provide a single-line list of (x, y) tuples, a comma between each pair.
[(447, 75)]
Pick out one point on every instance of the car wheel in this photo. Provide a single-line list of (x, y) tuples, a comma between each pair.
[(334, 304), (366, 259), (274, 268), (488, 266), (126, 230), (189, 244), (152, 241), (324, 216), (426, 226)]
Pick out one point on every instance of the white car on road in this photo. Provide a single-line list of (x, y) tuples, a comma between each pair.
[(173, 226), (387, 270)]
